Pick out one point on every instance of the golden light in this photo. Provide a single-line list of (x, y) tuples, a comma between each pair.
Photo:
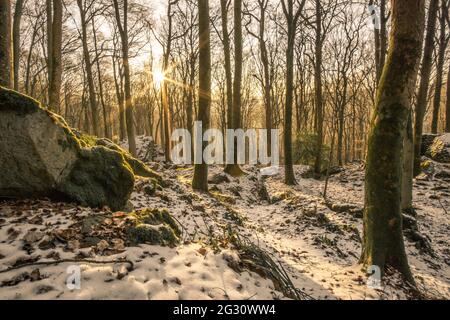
[(158, 78)]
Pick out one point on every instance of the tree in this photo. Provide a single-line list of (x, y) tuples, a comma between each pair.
[(264, 57), (16, 41), (123, 31), (55, 56), (6, 76), (383, 243), (292, 16), (234, 169), (200, 181), (421, 104), (443, 42)]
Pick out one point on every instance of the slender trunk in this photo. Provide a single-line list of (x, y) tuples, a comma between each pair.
[(123, 31), (447, 104), (56, 59), (439, 69), (234, 169), (200, 181), (421, 105), (106, 123), (49, 21), (5, 44), (16, 41), (88, 68), (318, 89), (383, 243)]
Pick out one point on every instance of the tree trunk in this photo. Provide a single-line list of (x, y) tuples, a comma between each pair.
[(5, 44), (425, 73), (200, 181), (234, 169), (56, 61), (439, 69), (318, 89), (88, 67), (123, 31), (408, 167), (447, 104), (16, 41), (383, 244)]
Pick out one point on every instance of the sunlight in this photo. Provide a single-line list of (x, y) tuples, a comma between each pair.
[(158, 78)]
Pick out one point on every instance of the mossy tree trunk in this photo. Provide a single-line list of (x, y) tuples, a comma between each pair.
[(200, 181), (383, 244), (5, 44), (425, 74)]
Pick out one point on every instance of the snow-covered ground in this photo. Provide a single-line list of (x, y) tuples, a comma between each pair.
[(316, 246)]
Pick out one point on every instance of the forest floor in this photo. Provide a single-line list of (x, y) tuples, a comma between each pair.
[(229, 236)]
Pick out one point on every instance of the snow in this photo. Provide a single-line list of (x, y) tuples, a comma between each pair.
[(318, 248)]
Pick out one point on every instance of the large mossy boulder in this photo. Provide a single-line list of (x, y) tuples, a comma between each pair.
[(42, 157), (154, 227)]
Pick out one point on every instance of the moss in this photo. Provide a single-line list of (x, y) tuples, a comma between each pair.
[(155, 227), (223, 198), (137, 166), (92, 181), (12, 101)]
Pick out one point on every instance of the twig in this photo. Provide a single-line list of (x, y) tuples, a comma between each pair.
[(49, 263)]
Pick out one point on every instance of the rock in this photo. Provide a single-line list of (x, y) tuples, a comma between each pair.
[(439, 151), (154, 227), (270, 171), (219, 178), (137, 166), (427, 141), (44, 158)]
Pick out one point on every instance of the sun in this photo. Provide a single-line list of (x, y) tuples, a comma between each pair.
[(158, 78)]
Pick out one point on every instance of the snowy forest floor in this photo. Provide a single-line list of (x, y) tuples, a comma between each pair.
[(316, 243)]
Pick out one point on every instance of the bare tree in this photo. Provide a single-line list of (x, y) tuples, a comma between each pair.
[(123, 31)]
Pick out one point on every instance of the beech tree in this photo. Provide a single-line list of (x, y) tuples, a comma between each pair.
[(200, 181), (383, 243)]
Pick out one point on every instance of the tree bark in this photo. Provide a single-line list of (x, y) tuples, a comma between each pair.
[(439, 69), (425, 73), (200, 181), (383, 243), (56, 57), (123, 31), (234, 169), (16, 41), (6, 76), (318, 89)]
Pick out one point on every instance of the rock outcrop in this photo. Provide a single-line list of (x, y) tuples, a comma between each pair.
[(440, 149), (42, 157)]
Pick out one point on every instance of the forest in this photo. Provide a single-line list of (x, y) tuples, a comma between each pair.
[(225, 150)]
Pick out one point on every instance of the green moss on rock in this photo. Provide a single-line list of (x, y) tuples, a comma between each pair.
[(95, 180), (154, 227)]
